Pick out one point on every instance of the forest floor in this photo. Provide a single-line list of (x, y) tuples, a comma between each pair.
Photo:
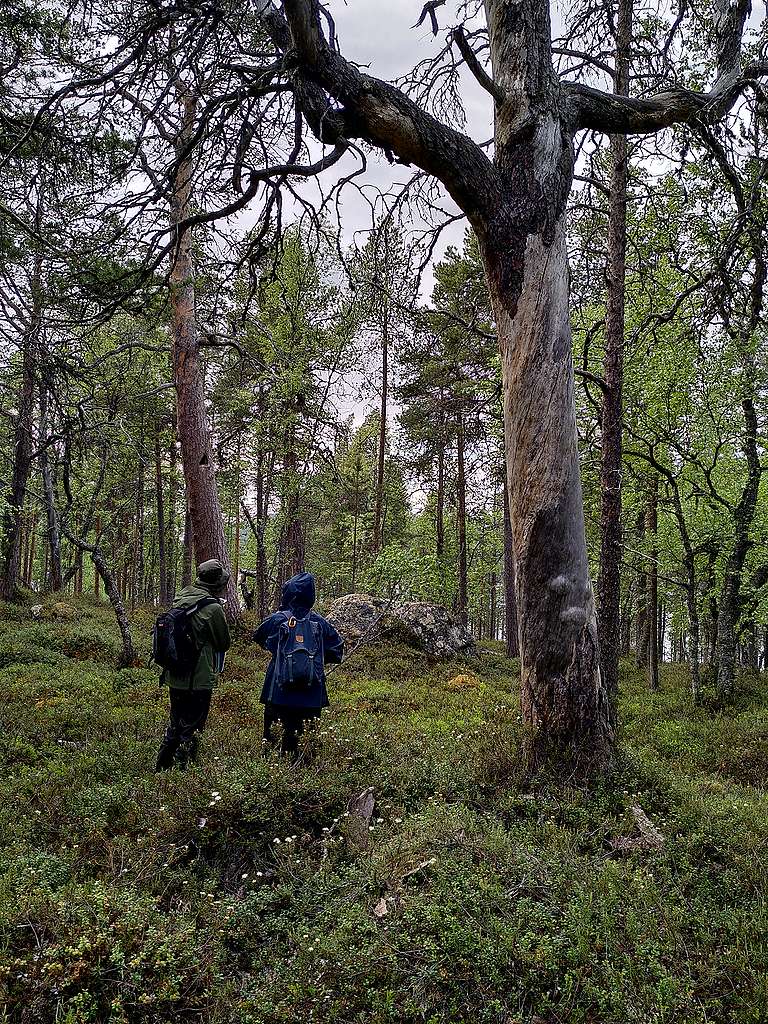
[(243, 891)]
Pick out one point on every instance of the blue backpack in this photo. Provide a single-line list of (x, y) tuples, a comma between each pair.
[(298, 645)]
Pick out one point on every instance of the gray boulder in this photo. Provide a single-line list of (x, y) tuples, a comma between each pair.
[(428, 627)]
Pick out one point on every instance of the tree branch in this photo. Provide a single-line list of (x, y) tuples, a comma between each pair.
[(384, 116)]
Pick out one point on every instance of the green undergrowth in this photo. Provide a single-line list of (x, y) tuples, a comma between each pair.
[(243, 890)]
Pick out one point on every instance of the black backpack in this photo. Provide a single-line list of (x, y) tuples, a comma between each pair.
[(173, 642)]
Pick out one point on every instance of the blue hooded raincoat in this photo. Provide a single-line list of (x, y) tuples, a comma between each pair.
[(298, 598)]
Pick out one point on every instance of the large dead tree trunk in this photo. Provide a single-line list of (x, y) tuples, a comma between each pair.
[(609, 580), (194, 431), (516, 204)]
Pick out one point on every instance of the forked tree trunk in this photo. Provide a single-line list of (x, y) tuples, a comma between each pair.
[(565, 701), (194, 431)]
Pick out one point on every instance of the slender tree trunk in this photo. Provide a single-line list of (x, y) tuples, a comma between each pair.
[(729, 605), (194, 431), (170, 535), (694, 629), (292, 543), (137, 590), (186, 567), (29, 562), (96, 577), (492, 606), (510, 595), (609, 580), (162, 557), (54, 578), (261, 547), (653, 584), (641, 621), (440, 504), (11, 566), (461, 516), (379, 500)]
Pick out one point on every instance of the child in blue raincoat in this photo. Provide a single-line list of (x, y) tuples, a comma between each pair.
[(293, 705)]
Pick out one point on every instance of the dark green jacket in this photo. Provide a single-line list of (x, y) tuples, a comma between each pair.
[(211, 631)]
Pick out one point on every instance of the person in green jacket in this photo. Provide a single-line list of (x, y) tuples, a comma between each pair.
[(190, 695)]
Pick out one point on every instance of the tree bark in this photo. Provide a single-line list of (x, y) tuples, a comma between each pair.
[(194, 431), (609, 580), (189, 543)]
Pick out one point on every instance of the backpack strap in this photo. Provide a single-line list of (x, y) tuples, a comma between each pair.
[(202, 603)]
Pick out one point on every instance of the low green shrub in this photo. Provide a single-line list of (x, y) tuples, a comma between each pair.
[(245, 889)]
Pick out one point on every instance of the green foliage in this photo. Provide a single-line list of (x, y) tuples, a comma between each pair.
[(243, 891)]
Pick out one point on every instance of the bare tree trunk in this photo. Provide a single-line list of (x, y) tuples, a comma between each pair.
[(440, 504), (161, 531), (641, 621), (492, 606), (54, 577), (510, 594), (653, 584), (29, 562), (137, 588), (186, 568), (194, 431), (461, 516), (729, 605), (564, 699), (170, 538), (292, 539), (379, 508), (11, 550), (609, 580), (261, 547)]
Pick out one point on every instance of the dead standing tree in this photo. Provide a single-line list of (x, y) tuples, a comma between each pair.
[(516, 203)]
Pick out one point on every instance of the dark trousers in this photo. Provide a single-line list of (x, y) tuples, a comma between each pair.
[(293, 721), (189, 713)]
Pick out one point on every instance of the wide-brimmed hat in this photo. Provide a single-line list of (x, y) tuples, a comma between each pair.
[(212, 574)]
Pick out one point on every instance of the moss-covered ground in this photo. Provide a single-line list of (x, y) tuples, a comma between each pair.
[(242, 890)]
